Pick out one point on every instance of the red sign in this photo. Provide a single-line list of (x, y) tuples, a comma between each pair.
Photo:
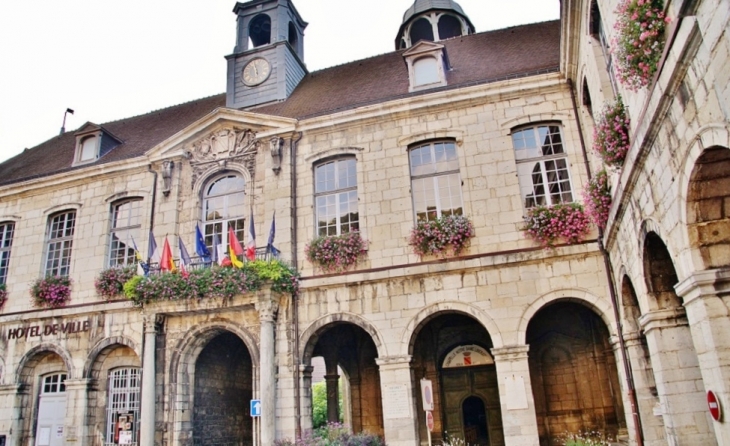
[(429, 420), (714, 404)]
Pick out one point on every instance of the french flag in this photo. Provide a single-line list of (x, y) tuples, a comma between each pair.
[(251, 244)]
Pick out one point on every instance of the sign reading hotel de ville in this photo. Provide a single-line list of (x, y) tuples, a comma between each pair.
[(60, 329)]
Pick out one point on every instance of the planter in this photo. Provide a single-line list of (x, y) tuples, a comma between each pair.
[(611, 134), (337, 253), (51, 291), (444, 236), (548, 224)]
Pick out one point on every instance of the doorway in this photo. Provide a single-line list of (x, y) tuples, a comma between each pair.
[(51, 411)]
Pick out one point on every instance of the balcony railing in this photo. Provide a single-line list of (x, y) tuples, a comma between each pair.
[(198, 262)]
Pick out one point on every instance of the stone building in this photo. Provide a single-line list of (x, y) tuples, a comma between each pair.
[(622, 333)]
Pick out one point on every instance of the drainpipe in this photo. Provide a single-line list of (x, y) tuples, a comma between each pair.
[(295, 299), (612, 291)]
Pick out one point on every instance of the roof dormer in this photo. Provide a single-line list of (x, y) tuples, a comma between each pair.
[(427, 65), (93, 142)]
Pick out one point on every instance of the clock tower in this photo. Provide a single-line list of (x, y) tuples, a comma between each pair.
[(268, 60)]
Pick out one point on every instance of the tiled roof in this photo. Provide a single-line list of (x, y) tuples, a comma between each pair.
[(478, 58)]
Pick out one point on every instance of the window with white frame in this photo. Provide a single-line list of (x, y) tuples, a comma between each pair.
[(335, 195), (122, 407), (89, 148), (7, 229), (542, 166), (435, 180), (125, 228), (425, 71), (55, 383), (59, 243), (223, 207)]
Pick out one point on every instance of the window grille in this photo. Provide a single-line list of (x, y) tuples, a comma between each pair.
[(122, 407)]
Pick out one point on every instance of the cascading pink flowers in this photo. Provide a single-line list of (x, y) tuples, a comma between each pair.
[(110, 282), (639, 41), (336, 253), (611, 133), (3, 294), (51, 291), (566, 221), (597, 198), (446, 235)]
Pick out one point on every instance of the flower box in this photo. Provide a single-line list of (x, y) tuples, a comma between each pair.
[(597, 198), (611, 133), (548, 224), (447, 235), (110, 282), (51, 291), (336, 253)]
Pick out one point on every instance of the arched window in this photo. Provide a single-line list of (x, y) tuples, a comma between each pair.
[(335, 194), (59, 241), (259, 30), (421, 30), (293, 38), (223, 207), (122, 406), (435, 180), (426, 71), (7, 229), (126, 221), (449, 26), (542, 166)]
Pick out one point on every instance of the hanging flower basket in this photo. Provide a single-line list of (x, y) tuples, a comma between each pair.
[(51, 291), (611, 134), (337, 253), (446, 235), (110, 282), (639, 41), (597, 198), (548, 224), (3, 295)]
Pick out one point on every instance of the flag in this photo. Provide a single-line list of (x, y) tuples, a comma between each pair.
[(251, 245), (185, 260), (200, 247), (151, 247), (137, 254), (166, 262), (270, 244), (234, 248), (218, 251)]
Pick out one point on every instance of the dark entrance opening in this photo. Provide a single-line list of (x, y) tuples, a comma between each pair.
[(475, 422)]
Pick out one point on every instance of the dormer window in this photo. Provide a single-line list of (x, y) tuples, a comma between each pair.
[(426, 63), (93, 142)]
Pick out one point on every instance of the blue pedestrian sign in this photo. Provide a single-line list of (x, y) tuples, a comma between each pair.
[(255, 408)]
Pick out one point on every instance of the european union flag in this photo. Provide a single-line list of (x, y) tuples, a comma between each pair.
[(200, 247)]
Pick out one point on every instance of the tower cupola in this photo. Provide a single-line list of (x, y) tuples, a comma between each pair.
[(432, 20)]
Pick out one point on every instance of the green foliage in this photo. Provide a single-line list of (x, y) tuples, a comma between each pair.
[(319, 404), (110, 282), (225, 282)]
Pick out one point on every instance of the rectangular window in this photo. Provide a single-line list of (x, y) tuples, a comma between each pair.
[(435, 180), (60, 241), (126, 223), (335, 193), (542, 166), (6, 242)]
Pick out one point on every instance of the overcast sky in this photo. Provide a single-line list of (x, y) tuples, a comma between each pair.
[(110, 59)]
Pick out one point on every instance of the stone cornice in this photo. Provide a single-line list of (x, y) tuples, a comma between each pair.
[(673, 317), (704, 283), (510, 353)]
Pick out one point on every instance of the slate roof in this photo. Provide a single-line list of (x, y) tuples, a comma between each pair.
[(475, 59)]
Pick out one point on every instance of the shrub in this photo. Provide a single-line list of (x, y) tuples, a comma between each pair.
[(51, 291), (611, 133), (585, 439), (110, 282), (597, 198), (448, 234), (567, 221), (336, 253), (333, 434), (639, 41)]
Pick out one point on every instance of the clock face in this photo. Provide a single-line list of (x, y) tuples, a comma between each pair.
[(256, 72)]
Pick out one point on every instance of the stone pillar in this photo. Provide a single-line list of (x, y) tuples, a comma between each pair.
[(77, 402), (267, 306), (333, 394), (147, 403), (519, 421), (709, 321), (399, 413), (652, 423), (305, 400), (678, 379)]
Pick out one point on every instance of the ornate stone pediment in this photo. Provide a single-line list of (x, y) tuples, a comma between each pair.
[(222, 146)]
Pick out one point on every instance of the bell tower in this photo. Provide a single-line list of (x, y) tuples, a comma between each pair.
[(432, 20), (268, 60)]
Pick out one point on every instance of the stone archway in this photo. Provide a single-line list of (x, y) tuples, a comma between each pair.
[(573, 373), (352, 349), (445, 347)]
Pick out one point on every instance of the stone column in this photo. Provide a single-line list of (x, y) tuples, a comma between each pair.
[(709, 321), (519, 421), (396, 388), (77, 402), (652, 423), (305, 400), (678, 378), (333, 394), (147, 403), (267, 306)]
